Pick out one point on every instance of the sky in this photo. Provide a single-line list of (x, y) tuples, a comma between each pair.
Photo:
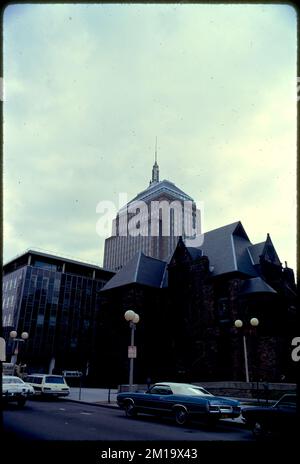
[(87, 88)]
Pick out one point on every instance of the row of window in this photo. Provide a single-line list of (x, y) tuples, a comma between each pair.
[(8, 319), (9, 284), (8, 302)]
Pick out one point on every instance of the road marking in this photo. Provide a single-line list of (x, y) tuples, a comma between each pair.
[(61, 409), (86, 413)]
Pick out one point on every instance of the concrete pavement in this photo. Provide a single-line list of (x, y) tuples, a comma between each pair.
[(100, 396)]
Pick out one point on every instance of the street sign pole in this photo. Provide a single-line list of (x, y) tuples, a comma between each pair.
[(131, 359)]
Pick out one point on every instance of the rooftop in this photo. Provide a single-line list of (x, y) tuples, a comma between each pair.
[(163, 186), (141, 269), (22, 259)]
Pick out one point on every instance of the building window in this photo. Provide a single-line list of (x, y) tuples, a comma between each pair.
[(47, 266), (40, 319), (52, 321)]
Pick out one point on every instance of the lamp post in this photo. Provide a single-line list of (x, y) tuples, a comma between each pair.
[(14, 336), (239, 324), (133, 319)]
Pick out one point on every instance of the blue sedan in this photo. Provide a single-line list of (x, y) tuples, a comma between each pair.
[(182, 401)]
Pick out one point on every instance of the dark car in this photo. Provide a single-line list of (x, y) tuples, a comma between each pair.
[(182, 401), (277, 420)]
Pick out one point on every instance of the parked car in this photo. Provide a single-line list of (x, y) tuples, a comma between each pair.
[(48, 385), (15, 389), (277, 420), (182, 401)]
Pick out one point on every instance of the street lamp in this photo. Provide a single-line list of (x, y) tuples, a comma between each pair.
[(239, 324), (133, 319), (14, 336)]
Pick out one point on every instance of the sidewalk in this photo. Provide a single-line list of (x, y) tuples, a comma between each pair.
[(99, 396)]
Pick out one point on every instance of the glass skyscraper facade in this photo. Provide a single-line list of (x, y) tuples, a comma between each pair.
[(57, 301)]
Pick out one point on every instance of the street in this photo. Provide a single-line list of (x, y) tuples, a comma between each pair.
[(66, 420)]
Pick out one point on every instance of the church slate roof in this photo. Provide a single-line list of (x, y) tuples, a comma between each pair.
[(256, 285), (195, 252), (256, 251), (227, 250), (141, 269)]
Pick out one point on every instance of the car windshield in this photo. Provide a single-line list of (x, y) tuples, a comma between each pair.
[(12, 380), (287, 401), (54, 379), (192, 390)]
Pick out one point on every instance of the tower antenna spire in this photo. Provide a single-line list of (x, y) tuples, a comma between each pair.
[(155, 169)]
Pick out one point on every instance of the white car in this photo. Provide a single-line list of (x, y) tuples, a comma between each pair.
[(48, 385), (14, 389)]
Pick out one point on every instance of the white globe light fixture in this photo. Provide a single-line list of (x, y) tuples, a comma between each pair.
[(13, 334), (254, 322), (129, 315), (136, 318), (238, 323)]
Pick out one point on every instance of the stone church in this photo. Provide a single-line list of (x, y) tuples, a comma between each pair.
[(188, 303)]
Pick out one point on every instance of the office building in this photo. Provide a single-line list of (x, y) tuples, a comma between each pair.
[(57, 301), (166, 214)]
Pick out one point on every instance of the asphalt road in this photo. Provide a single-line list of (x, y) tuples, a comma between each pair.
[(64, 420)]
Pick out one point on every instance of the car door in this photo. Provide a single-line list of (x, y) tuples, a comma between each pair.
[(156, 399)]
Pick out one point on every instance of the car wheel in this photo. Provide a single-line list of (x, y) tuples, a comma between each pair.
[(130, 409), (181, 416), (21, 402)]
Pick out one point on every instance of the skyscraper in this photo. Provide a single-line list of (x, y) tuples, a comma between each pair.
[(151, 222)]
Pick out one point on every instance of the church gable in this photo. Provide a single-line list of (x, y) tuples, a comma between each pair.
[(240, 231), (180, 255), (269, 253)]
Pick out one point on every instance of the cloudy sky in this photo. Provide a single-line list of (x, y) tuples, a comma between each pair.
[(87, 88)]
